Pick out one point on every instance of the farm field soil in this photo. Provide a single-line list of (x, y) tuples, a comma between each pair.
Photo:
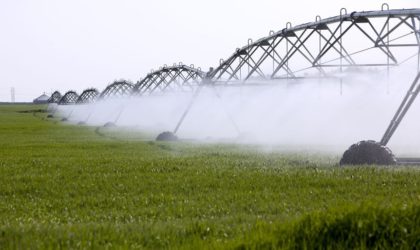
[(67, 186)]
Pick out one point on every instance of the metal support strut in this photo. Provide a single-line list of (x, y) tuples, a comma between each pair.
[(187, 110), (402, 110)]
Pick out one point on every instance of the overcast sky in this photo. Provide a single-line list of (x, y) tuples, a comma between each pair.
[(48, 45)]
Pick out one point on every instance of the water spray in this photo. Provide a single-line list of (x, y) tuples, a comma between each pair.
[(333, 56), (230, 117), (85, 121), (68, 116), (117, 118)]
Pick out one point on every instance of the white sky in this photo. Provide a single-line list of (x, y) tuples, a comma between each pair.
[(48, 45)]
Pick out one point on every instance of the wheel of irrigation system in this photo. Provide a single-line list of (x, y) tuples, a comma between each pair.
[(109, 125), (368, 152), (166, 136)]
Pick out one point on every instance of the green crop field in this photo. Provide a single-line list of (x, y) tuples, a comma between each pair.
[(68, 186)]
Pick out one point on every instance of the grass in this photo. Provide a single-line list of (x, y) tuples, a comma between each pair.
[(65, 186)]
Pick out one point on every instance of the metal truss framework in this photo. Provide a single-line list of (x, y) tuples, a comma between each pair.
[(325, 47), (178, 77), (69, 98), (322, 49), (55, 97), (88, 96), (117, 89)]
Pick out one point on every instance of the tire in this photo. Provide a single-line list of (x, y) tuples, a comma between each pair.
[(368, 153), (109, 125), (166, 136)]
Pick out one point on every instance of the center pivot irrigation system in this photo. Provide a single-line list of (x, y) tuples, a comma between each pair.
[(325, 48)]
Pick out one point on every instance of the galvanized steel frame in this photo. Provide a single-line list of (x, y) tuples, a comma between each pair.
[(330, 33), (177, 77), (88, 96), (70, 97), (117, 89), (55, 97)]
